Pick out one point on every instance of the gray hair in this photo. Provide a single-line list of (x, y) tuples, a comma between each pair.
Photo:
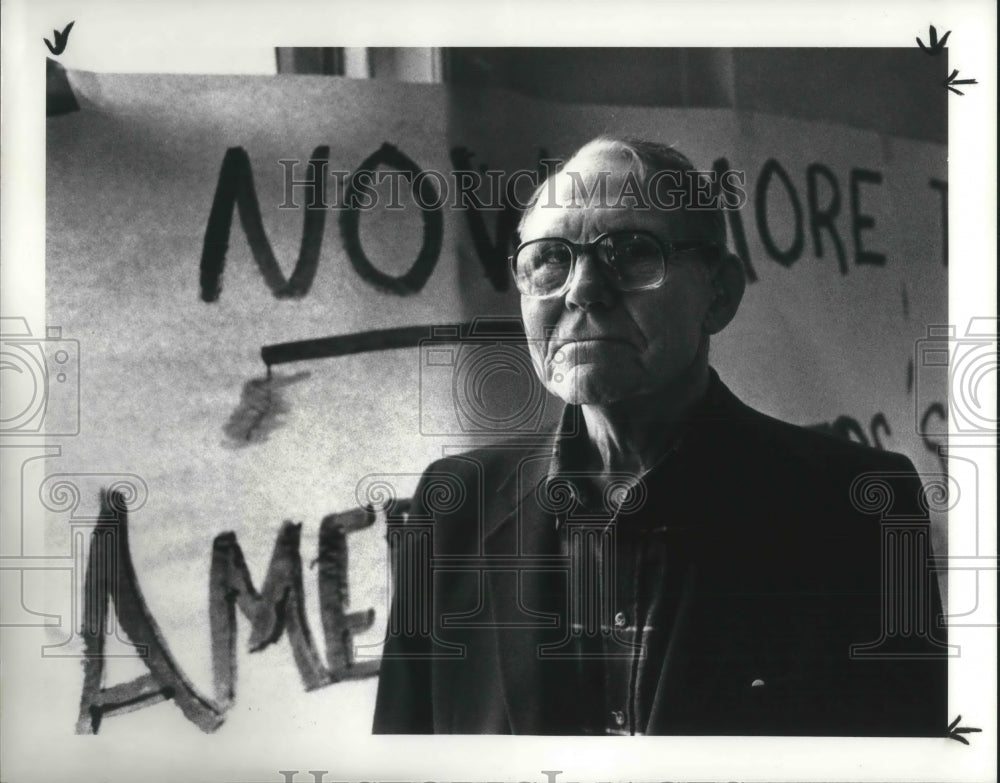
[(645, 159)]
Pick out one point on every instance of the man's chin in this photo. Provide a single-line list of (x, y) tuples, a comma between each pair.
[(575, 388)]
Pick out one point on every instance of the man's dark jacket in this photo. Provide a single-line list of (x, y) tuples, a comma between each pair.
[(789, 623)]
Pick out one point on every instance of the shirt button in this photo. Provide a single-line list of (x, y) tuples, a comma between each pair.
[(619, 717), (620, 620)]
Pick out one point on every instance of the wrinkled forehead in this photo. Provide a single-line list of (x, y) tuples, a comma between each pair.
[(584, 174), (593, 194)]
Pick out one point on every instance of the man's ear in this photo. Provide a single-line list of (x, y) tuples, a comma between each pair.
[(728, 279)]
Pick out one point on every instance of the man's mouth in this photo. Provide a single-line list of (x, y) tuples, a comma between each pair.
[(577, 346)]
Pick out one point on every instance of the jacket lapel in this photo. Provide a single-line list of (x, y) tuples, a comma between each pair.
[(527, 583), (690, 662)]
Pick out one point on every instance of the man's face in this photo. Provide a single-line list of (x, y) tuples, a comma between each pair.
[(595, 345)]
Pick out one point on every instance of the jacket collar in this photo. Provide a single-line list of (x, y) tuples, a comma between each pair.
[(548, 469)]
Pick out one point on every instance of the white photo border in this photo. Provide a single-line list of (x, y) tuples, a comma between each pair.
[(30, 755)]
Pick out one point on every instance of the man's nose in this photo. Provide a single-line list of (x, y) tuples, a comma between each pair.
[(590, 286)]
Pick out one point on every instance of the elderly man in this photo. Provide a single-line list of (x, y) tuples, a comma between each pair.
[(675, 562)]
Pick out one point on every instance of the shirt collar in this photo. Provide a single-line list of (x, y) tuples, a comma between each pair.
[(571, 442)]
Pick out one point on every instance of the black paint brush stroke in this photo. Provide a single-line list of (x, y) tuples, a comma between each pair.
[(388, 339), (236, 188), (430, 248)]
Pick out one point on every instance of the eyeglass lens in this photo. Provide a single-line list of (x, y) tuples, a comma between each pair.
[(634, 261)]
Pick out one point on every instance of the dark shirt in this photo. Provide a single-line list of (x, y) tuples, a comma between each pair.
[(629, 560)]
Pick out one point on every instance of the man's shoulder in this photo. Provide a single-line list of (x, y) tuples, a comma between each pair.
[(802, 446), (808, 446), (495, 460), (478, 481), (808, 502), (806, 465)]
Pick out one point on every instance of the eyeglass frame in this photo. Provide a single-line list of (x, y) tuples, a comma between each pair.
[(668, 249)]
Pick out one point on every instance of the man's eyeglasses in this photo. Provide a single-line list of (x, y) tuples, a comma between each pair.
[(633, 261)]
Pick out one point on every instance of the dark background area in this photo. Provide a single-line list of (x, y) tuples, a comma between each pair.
[(897, 91)]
